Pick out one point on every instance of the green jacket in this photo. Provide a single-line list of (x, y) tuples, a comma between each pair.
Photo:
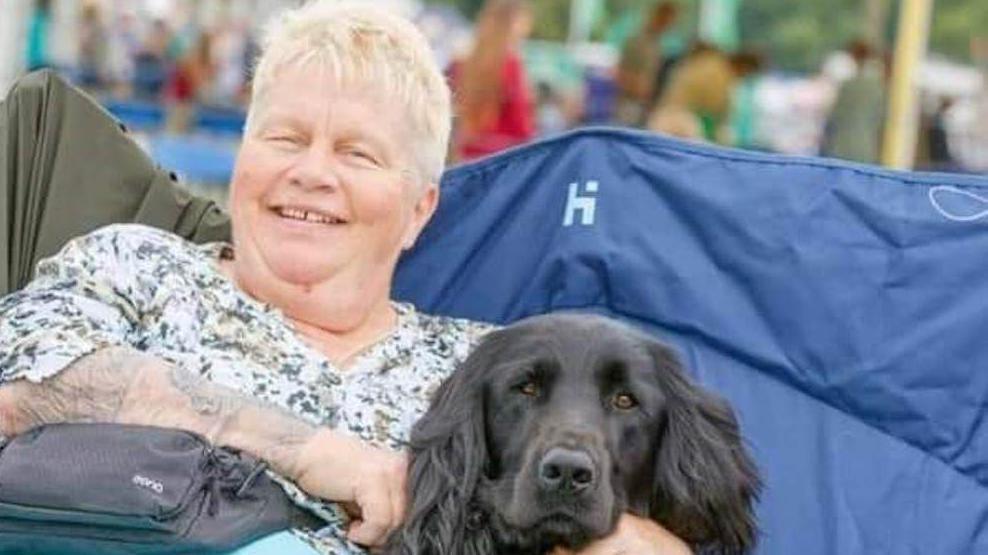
[(67, 167)]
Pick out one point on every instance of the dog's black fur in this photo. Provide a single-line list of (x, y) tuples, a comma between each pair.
[(555, 426)]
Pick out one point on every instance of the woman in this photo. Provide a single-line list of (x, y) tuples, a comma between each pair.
[(639, 64), (189, 83), (495, 106), (284, 344)]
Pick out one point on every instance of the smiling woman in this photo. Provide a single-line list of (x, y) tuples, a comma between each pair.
[(324, 203), (284, 344)]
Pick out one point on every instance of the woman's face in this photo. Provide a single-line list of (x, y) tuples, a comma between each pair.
[(322, 192)]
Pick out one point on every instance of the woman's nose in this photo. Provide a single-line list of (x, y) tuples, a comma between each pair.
[(316, 170)]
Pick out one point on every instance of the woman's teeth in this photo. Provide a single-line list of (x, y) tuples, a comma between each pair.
[(304, 215)]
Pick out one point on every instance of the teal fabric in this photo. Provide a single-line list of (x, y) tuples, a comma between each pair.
[(284, 543)]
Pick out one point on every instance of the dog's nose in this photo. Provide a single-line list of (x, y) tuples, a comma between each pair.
[(566, 471)]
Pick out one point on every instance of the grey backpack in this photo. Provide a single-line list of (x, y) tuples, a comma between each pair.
[(109, 488)]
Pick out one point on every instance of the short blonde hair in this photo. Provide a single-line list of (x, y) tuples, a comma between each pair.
[(367, 45)]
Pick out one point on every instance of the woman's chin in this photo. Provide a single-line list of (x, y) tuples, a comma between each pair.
[(302, 276), (300, 269)]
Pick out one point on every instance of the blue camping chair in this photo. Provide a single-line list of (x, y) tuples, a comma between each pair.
[(840, 308)]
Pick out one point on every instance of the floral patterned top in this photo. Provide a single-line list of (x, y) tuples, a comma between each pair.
[(145, 288)]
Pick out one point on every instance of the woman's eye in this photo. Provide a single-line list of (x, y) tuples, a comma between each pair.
[(363, 156), (285, 140), (624, 401)]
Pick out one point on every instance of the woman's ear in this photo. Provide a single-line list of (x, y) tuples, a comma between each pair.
[(422, 211), (449, 460), (705, 481)]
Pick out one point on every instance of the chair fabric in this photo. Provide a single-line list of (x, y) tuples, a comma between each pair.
[(840, 308)]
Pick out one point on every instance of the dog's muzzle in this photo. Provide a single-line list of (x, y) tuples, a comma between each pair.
[(567, 472)]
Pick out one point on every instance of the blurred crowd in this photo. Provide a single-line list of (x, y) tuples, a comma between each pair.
[(704, 94), (700, 92), (172, 60)]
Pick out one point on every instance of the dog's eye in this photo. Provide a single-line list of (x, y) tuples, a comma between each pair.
[(529, 388), (624, 401)]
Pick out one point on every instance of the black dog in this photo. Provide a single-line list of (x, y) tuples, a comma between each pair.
[(555, 426)]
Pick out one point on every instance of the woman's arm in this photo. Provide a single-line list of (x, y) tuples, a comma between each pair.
[(126, 386), (122, 385), (637, 535), (67, 355)]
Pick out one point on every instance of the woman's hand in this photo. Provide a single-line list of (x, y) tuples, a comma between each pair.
[(634, 536), (369, 481)]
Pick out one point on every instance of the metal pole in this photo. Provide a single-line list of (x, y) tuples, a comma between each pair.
[(902, 124)]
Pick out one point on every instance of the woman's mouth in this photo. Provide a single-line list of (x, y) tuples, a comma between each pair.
[(309, 216)]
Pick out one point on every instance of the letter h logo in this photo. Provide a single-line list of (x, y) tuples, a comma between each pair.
[(585, 204)]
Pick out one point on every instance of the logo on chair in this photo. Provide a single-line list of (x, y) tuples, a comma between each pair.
[(585, 204), (958, 205), (145, 482)]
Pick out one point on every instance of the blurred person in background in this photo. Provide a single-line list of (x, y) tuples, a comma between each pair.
[(743, 123), (151, 64), (941, 157), (494, 103), (192, 74), (978, 132), (37, 55), (232, 49), (640, 63), (933, 151), (675, 121), (854, 127), (550, 110), (92, 48), (701, 86), (124, 44)]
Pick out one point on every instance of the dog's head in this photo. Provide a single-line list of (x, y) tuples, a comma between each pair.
[(555, 426)]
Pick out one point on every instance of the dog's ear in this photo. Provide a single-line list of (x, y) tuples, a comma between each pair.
[(706, 483), (449, 460)]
